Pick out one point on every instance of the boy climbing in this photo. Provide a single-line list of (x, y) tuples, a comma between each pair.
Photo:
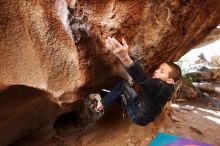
[(156, 90)]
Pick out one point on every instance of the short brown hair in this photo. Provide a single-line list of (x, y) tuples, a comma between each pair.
[(176, 73)]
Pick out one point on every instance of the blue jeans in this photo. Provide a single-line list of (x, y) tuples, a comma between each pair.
[(115, 95)]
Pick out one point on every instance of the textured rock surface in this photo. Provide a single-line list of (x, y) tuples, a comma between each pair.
[(157, 31), (56, 48), (212, 37), (36, 51), (24, 110)]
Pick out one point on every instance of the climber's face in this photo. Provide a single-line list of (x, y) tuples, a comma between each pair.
[(162, 72)]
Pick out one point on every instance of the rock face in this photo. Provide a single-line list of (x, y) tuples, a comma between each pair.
[(53, 54), (39, 59), (212, 37)]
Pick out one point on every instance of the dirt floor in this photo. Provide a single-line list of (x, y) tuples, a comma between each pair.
[(200, 121)]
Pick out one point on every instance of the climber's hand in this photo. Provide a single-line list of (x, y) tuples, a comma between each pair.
[(119, 50)]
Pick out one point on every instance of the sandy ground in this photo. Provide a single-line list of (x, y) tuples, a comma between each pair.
[(200, 122)]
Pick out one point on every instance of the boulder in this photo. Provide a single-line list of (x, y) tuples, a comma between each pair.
[(53, 53)]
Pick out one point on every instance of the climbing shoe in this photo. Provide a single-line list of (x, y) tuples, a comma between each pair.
[(93, 113)]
